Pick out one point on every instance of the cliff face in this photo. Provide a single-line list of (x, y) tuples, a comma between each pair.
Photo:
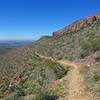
[(77, 25)]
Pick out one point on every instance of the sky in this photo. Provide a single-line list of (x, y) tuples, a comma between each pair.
[(31, 19)]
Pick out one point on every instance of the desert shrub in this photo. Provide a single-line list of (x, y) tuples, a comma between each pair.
[(22, 81), (87, 88), (15, 97), (59, 58), (84, 69), (59, 70), (66, 57), (90, 46), (70, 58), (96, 77), (98, 91), (91, 75), (61, 73), (82, 55), (20, 91), (46, 95)]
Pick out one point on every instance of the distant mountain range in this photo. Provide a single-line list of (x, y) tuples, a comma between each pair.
[(14, 43)]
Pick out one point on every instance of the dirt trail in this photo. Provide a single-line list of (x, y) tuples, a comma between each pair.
[(75, 85), (75, 80)]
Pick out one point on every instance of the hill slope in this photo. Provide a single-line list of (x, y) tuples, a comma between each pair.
[(24, 75), (72, 46)]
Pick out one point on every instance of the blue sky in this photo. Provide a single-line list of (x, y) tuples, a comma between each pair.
[(30, 19)]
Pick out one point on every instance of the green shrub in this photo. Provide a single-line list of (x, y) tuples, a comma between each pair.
[(46, 95), (96, 77), (70, 58), (15, 97), (20, 91), (59, 58), (87, 88), (90, 46), (98, 90), (59, 70), (66, 57), (61, 73), (83, 54), (22, 81)]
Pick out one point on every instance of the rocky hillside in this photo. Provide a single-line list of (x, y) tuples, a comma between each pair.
[(24, 75), (78, 24), (75, 45)]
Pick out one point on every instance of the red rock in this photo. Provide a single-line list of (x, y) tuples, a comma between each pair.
[(78, 24)]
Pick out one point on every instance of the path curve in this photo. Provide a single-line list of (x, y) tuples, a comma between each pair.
[(75, 87)]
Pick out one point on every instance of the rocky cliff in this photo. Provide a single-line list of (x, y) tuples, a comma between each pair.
[(78, 24)]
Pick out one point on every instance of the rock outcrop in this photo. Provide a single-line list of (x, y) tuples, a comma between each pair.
[(78, 24)]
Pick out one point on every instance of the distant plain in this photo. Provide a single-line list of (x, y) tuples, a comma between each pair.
[(6, 45)]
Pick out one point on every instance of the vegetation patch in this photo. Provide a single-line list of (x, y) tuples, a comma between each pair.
[(90, 46), (91, 75)]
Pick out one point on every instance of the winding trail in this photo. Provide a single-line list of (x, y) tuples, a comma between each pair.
[(75, 80), (75, 84)]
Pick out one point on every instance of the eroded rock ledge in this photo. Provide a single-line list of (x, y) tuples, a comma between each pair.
[(78, 24)]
